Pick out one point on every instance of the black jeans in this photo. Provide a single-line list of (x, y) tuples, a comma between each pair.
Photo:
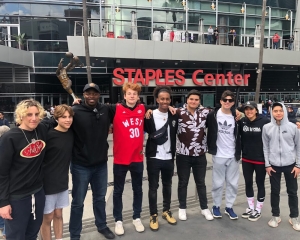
[(198, 164), (154, 167), (23, 226), (292, 187), (120, 171), (260, 175)]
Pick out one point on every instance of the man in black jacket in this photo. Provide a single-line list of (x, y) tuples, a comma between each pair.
[(223, 141), (89, 164), (160, 154)]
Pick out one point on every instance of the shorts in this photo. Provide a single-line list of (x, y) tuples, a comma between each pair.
[(56, 201)]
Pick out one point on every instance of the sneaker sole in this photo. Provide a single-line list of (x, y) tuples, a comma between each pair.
[(245, 217), (120, 234), (154, 230), (232, 218), (208, 219), (275, 226), (254, 219), (181, 219), (168, 221), (293, 225)]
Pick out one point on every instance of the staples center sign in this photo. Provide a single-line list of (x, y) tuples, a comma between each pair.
[(152, 78)]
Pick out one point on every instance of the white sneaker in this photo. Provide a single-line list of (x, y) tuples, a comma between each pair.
[(139, 227), (295, 223), (274, 222), (182, 214), (119, 230), (207, 214)]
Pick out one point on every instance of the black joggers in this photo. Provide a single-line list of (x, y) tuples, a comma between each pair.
[(292, 188), (198, 164)]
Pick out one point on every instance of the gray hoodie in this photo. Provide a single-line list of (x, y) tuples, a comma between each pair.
[(281, 143)]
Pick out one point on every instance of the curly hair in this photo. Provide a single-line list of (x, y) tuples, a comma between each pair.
[(21, 109), (60, 110), (160, 89), (132, 86)]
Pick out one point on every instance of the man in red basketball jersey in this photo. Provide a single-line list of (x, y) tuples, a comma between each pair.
[(128, 137)]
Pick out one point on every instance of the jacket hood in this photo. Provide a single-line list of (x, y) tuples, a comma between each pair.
[(284, 120)]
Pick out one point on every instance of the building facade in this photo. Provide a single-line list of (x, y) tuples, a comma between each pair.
[(46, 24)]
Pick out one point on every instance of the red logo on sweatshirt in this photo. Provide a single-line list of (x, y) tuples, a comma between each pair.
[(33, 149)]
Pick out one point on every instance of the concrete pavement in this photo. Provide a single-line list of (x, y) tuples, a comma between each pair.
[(196, 227)]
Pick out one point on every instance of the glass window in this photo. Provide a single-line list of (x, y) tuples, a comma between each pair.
[(58, 10), (205, 6), (251, 9), (9, 9), (24, 9), (194, 5), (40, 9), (235, 8), (194, 18), (223, 7), (144, 15), (133, 2), (160, 16), (209, 19)]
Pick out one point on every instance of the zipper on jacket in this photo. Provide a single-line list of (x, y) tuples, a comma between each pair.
[(279, 147)]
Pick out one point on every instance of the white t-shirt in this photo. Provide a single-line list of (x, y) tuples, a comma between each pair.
[(210, 31), (226, 138), (163, 150)]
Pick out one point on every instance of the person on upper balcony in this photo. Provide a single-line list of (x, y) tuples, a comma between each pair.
[(276, 40), (210, 32)]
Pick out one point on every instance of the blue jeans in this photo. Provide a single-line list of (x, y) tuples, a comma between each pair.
[(2, 226), (120, 171), (96, 176), (209, 39)]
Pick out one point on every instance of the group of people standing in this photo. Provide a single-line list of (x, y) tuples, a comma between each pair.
[(35, 158), (212, 35)]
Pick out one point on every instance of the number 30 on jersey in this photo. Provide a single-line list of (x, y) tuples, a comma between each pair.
[(134, 132)]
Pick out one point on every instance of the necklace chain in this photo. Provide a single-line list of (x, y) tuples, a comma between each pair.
[(32, 140)]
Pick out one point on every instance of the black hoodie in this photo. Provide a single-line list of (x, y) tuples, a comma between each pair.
[(251, 136), (90, 127)]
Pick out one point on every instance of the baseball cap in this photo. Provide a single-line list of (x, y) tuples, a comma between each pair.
[(91, 86), (250, 104)]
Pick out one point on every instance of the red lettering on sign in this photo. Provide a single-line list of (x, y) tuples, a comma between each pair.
[(229, 78), (246, 77), (138, 78), (238, 79), (179, 74), (218, 76), (119, 80), (149, 75), (158, 76), (130, 71), (169, 75), (194, 77), (208, 79)]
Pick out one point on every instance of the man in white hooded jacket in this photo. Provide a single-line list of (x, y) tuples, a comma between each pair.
[(281, 144)]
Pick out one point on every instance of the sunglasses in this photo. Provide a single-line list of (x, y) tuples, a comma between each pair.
[(228, 100)]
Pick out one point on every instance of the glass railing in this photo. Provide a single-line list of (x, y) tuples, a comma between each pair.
[(162, 33)]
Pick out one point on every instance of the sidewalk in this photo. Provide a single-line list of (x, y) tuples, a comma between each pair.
[(196, 226)]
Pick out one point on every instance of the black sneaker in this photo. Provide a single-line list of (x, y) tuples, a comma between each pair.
[(247, 214), (107, 233), (254, 216)]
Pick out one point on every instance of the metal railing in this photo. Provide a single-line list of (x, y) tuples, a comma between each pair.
[(162, 33)]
